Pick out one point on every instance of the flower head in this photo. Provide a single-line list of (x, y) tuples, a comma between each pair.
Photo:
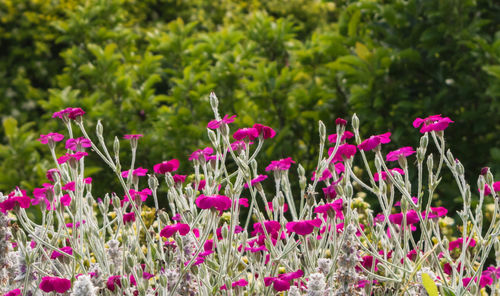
[(282, 164), (132, 136), (54, 137), (136, 172), (344, 151), (215, 124), (376, 176), (373, 141), (256, 180), (340, 121), (55, 284), (170, 230), (78, 143), (346, 135), (205, 153), (249, 133), (69, 157), (129, 217), (15, 198), (217, 202), (166, 166), (265, 131), (401, 152), (432, 123), (57, 254), (303, 227)]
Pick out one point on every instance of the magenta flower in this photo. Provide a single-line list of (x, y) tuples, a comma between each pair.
[(435, 213), (137, 172), (335, 208), (270, 205), (75, 112), (15, 292), (496, 188), (170, 230), (303, 227), (201, 153), (324, 176), (215, 124), (459, 242), (239, 146), (243, 202), (129, 217), (133, 136), (271, 227), (282, 282), (78, 144), (256, 180), (113, 281), (237, 229), (484, 281), (414, 199), (374, 141), (68, 157), (346, 135), (50, 137), (432, 123), (249, 133), (166, 166), (238, 283), (411, 218), (136, 195), (57, 254), (344, 151), (14, 200), (55, 284), (217, 202), (50, 174), (401, 152), (492, 272), (87, 180), (376, 177), (340, 121), (179, 178), (40, 194), (69, 186), (265, 131), (65, 200), (282, 164)]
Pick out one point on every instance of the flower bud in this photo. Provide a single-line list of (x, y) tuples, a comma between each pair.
[(163, 217), (450, 157), (489, 177), (99, 129), (481, 182), (212, 137), (214, 101), (253, 165), (355, 122), (378, 164), (152, 181), (348, 190), (169, 180), (420, 154), (116, 201), (224, 231), (424, 141), (300, 170), (131, 261), (322, 131), (460, 168), (163, 280), (281, 199), (430, 162), (116, 148)]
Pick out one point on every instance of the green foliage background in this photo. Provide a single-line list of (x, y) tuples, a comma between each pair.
[(147, 66)]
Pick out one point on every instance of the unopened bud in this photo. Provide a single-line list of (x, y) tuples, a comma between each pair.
[(430, 162), (212, 137), (450, 157), (163, 217), (116, 202), (152, 181), (322, 131), (424, 140), (348, 190), (99, 129), (224, 231), (214, 101), (460, 168), (253, 165), (355, 122), (481, 182), (489, 177), (116, 147), (420, 154)]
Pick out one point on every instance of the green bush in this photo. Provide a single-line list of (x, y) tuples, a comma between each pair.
[(148, 67)]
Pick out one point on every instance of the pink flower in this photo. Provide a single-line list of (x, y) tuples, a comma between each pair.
[(335, 208), (75, 112), (401, 152), (239, 146), (133, 136), (137, 172), (15, 292), (265, 131), (68, 157), (282, 282), (170, 230), (40, 194), (459, 242), (69, 186), (217, 202), (55, 284), (87, 180), (330, 192), (179, 178), (270, 205), (237, 229), (256, 180), (496, 188), (340, 121), (346, 135), (271, 227), (374, 141), (282, 164), (129, 217), (376, 177), (344, 151), (78, 143), (249, 133), (411, 218), (492, 272), (166, 166), (57, 254), (136, 195), (65, 200), (50, 174), (13, 200), (238, 283), (215, 124), (54, 137), (201, 153), (243, 202), (303, 227), (113, 281), (436, 212), (484, 281), (432, 123)]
